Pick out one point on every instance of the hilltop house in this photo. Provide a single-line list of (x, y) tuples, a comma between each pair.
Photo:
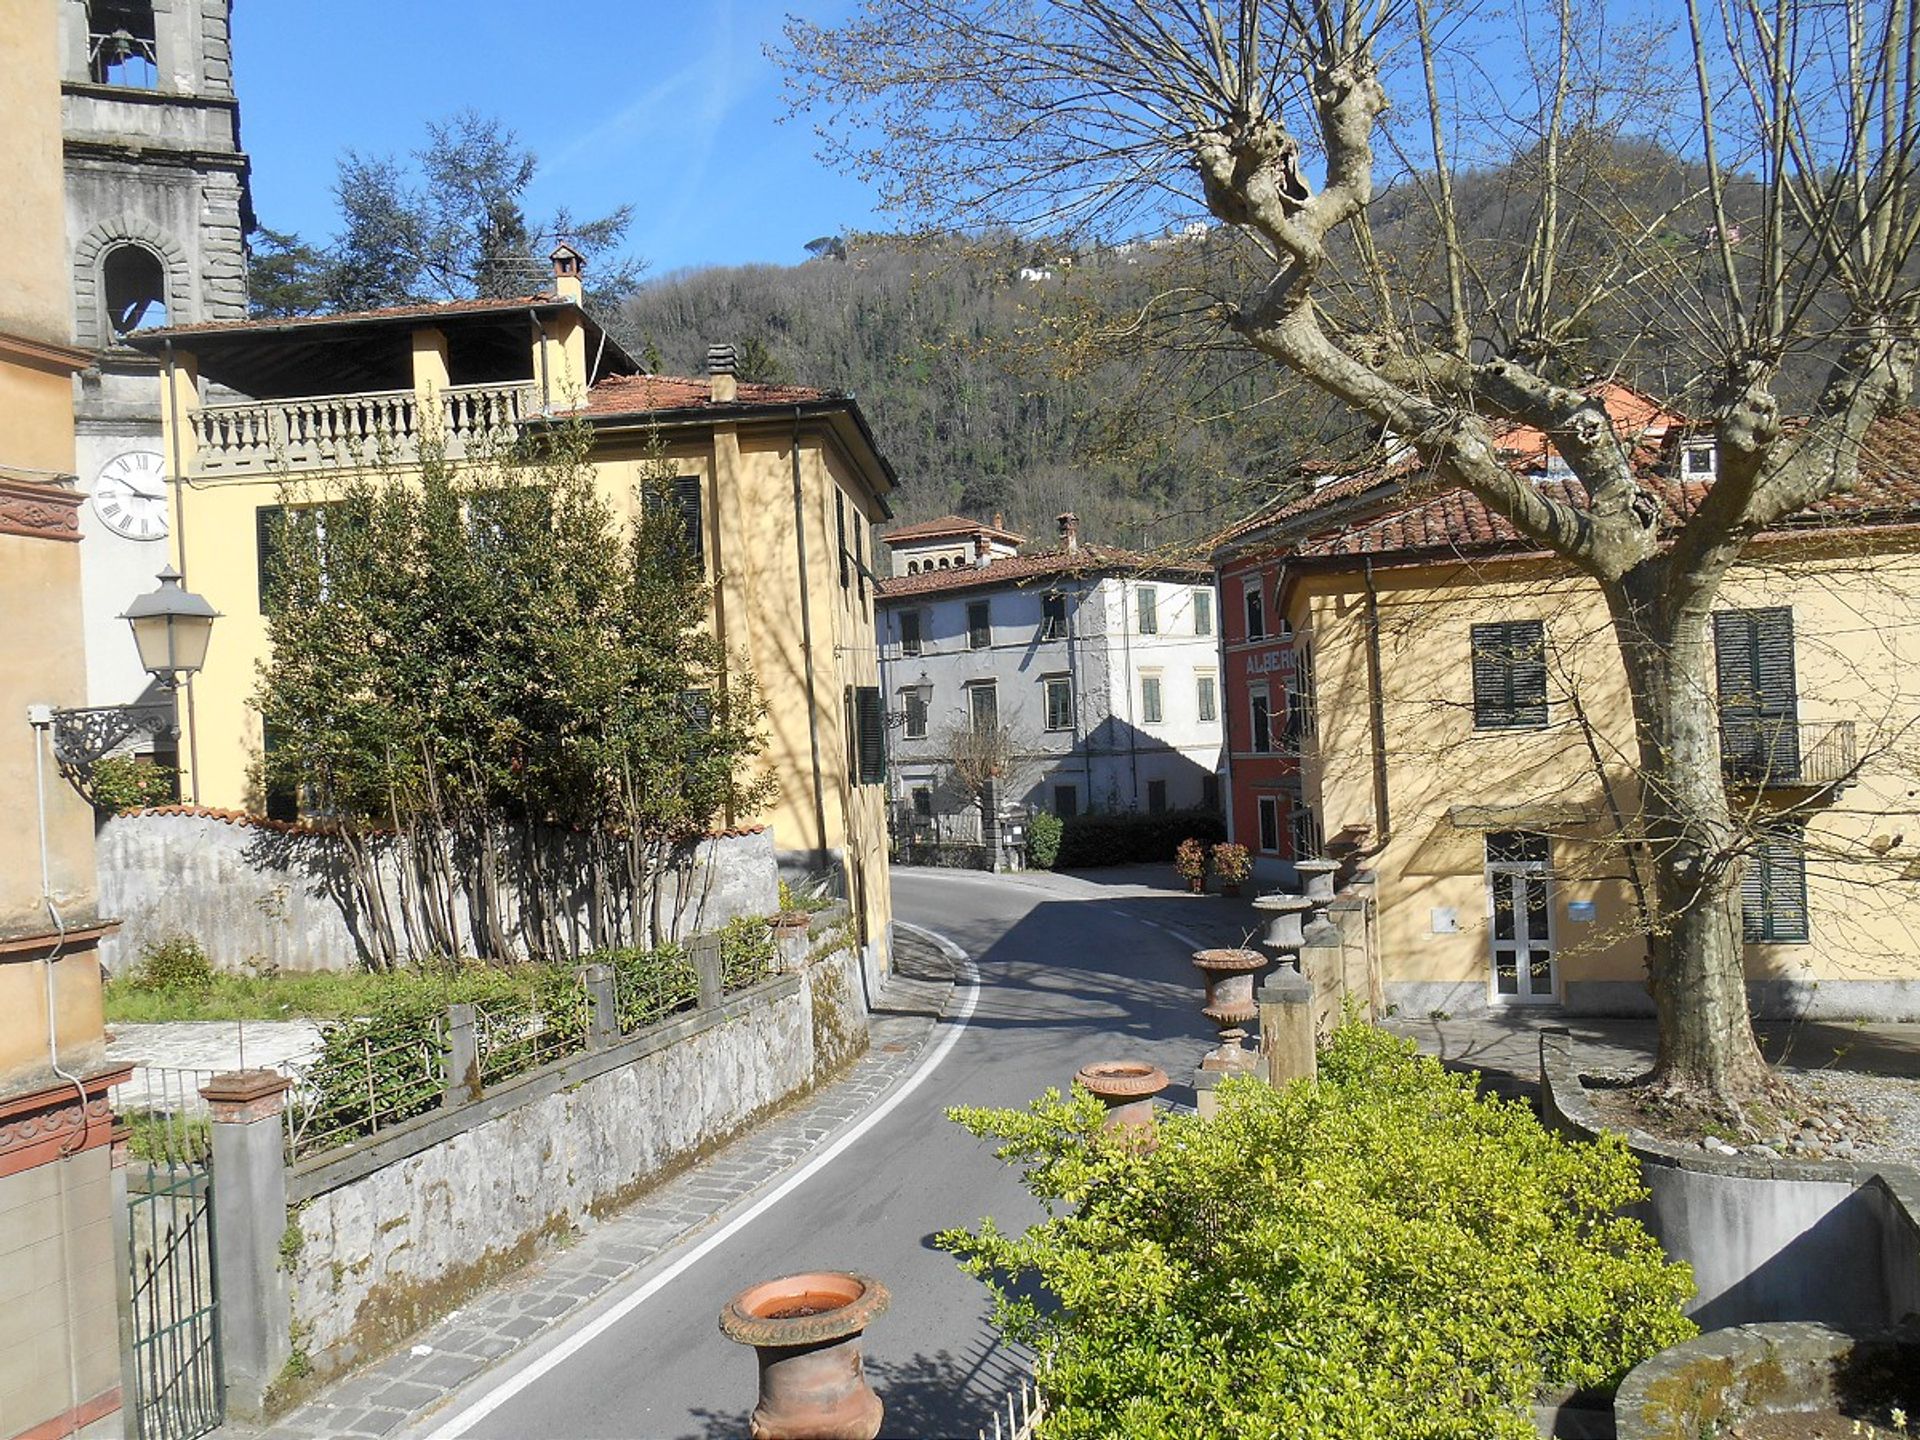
[(1465, 732), (1098, 664), (779, 485)]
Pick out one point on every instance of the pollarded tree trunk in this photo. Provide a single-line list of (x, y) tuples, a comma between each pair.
[(1692, 846)]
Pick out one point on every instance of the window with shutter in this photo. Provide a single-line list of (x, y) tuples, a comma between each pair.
[(915, 705), (1759, 693), (1059, 703), (1773, 891), (1256, 612), (1262, 720), (983, 706), (1149, 610), (1053, 617), (269, 530), (1203, 612), (1509, 675), (1156, 797), (979, 625), (686, 504), (871, 727), (840, 524), (1150, 700)]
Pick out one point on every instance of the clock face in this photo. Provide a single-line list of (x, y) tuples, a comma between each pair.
[(130, 495)]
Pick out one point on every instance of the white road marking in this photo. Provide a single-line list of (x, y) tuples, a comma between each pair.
[(464, 1420)]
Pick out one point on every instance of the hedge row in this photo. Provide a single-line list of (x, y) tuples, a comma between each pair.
[(1087, 841)]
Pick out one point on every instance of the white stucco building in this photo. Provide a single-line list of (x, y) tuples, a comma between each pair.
[(1101, 664)]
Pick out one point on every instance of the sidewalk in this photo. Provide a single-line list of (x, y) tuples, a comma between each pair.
[(400, 1390)]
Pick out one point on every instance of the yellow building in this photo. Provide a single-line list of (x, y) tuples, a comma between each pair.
[(1469, 739), (788, 480), (59, 1331)]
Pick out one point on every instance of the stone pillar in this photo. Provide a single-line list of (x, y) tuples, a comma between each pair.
[(1286, 1029), (463, 1058), (705, 954), (249, 1217), (1322, 962), (990, 823), (1206, 1092), (603, 1018)]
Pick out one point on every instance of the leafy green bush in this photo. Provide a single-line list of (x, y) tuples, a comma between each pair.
[(1385, 1254), (177, 964), (1043, 839), (746, 952), (121, 782), (1087, 841)]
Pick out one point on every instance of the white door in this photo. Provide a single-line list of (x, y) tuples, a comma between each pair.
[(1520, 917)]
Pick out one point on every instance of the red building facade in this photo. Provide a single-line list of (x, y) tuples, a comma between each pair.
[(1266, 684)]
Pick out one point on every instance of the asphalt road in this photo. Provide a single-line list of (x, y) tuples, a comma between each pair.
[(1064, 979)]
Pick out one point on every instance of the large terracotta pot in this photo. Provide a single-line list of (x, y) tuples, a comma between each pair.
[(1229, 976), (805, 1331), (1126, 1088)]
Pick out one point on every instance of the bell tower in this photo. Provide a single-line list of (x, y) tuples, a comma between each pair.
[(157, 213)]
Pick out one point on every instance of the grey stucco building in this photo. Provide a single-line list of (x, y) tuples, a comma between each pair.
[(1099, 666)]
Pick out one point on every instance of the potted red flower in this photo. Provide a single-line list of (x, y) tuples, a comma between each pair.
[(1190, 864), (1233, 864)]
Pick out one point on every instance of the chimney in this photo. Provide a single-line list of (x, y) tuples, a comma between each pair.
[(999, 519), (1070, 533), (568, 265), (720, 371), (981, 557)]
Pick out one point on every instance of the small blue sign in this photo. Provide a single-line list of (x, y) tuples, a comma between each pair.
[(1580, 910)]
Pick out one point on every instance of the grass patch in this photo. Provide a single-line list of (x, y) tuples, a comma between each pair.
[(320, 996)]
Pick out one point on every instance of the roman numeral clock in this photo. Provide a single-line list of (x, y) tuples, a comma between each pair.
[(130, 495)]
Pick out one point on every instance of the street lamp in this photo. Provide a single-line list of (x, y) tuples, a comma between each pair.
[(171, 628)]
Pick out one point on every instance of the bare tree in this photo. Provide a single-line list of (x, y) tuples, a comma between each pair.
[(983, 760), (1782, 233)]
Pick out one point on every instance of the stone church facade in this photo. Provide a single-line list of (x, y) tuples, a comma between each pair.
[(158, 207)]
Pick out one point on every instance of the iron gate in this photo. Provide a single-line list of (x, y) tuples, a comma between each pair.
[(173, 1360)]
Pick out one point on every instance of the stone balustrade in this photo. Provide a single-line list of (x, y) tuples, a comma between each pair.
[(326, 431)]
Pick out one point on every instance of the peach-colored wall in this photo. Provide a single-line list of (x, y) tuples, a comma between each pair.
[(1857, 643)]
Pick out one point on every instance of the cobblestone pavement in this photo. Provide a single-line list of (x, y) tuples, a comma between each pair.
[(379, 1399)]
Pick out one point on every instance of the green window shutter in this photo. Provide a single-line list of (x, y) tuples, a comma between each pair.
[(871, 729), (1509, 675), (686, 504), (269, 530), (1773, 891), (1759, 692)]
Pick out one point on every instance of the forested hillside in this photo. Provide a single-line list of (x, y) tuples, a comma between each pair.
[(945, 346)]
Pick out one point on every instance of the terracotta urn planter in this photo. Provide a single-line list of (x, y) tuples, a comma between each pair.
[(1229, 976), (1126, 1088), (805, 1331), (1231, 1057), (789, 924)]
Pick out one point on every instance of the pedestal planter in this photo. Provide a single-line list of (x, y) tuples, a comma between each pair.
[(1316, 883), (1196, 884), (1283, 922), (1231, 1057), (805, 1331), (1126, 1088), (1229, 976)]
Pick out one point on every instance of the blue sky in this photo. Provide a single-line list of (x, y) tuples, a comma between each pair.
[(670, 105)]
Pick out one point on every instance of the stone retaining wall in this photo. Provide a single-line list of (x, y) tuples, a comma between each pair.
[(260, 895), (1769, 1239), (390, 1233)]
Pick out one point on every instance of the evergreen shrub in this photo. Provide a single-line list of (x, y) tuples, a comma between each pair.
[(1088, 841), (1383, 1255), (1043, 839)]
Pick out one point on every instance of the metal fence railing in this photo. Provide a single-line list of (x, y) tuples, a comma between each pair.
[(1024, 1412), (167, 1120), (364, 1080), (370, 1075)]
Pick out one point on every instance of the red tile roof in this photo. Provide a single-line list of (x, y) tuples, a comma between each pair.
[(1888, 493), (1033, 565), (950, 525), (1637, 418), (641, 394)]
